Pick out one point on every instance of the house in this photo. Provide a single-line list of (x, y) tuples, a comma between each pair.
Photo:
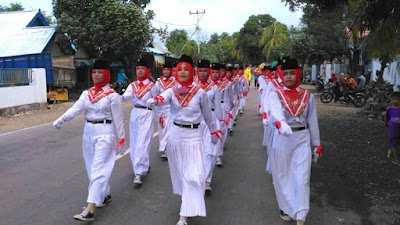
[(27, 42)]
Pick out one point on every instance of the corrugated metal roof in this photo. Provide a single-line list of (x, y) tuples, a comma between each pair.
[(154, 50), (17, 39)]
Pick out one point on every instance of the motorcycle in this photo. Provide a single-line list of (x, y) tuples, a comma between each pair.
[(120, 88), (320, 84), (357, 97)]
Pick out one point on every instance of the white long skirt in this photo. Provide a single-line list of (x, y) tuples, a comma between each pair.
[(99, 149), (291, 170), (186, 160), (163, 131), (141, 136)]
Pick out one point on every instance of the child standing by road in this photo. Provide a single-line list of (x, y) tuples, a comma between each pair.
[(392, 119)]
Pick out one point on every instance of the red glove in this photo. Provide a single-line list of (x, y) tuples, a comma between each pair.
[(159, 98), (120, 142)]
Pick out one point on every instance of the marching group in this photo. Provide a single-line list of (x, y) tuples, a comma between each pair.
[(195, 110)]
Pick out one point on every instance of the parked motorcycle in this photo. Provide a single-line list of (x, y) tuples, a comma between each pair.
[(320, 84), (357, 97), (120, 88)]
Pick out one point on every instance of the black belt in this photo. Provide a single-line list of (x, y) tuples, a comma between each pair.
[(299, 128), (193, 126), (143, 107), (100, 121)]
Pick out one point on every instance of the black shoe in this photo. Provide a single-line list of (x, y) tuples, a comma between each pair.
[(85, 215), (285, 216), (107, 199)]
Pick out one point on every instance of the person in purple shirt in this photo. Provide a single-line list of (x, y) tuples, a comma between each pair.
[(392, 119)]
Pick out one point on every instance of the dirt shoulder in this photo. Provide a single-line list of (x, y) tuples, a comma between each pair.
[(354, 164)]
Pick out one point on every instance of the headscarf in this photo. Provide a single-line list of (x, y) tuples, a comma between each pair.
[(170, 73), (107, 78), (292, 93), (191, 74), (147, 74), (208, 75)]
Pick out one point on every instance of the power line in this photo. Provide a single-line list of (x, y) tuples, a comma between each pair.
[(182, 25), (198, 27)]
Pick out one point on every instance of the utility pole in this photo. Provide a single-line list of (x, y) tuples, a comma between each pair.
[(198, 28)]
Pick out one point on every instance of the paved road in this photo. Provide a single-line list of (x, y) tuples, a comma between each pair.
[(43, 181)]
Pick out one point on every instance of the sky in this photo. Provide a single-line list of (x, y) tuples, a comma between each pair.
[(220, 15)]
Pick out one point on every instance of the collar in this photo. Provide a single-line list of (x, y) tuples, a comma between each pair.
[(106, 87), (287, 89), (190, 86), (145, 81)]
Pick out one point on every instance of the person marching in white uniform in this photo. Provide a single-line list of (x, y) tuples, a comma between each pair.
[(103, 136), (232, 98), (226, 99), (211, 150), (165, 82), (141, 122), (236, 94), (186, 156), (296, 119)]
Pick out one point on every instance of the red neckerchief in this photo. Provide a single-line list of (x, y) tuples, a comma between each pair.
[(138, 91), (294, 101), (166, 82), (95, 96), (184, 99)]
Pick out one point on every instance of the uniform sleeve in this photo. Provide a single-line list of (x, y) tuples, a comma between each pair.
[(155, 90), (167, 95), (312, 121), (128, 94), (217, 104), (230, 96), (77, 108), (206, 111), (117, 115), (276, 107)]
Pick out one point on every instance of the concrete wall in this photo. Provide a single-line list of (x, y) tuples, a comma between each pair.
[(35, 92)]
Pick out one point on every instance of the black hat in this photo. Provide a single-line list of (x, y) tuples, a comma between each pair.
[(101, 64), (222, 66), (146, 60), (290, 64), (167, 65), (175, 63), (215, 66), (272, 68), (283, 59), (265, 68), (229, 68), (203, 63), (186, 58)]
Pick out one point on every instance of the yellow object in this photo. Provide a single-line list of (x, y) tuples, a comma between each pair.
[(60, 94), (247, 73)]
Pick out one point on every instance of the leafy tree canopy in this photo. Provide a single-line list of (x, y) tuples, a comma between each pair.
[(110, 29), (12, 7)]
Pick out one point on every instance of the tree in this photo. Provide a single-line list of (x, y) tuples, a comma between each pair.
[(272, 37), (178, 43), (110, 29), (12, 7), (249, 37)]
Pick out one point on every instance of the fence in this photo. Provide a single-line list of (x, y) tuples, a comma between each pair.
[(15, 77)]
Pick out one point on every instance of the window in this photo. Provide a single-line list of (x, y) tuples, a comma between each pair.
[(15, 77)]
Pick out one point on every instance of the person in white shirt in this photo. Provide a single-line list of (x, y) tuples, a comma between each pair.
[(186, 155), (103, 135), (141, 123), (165, 82), (293, 109)]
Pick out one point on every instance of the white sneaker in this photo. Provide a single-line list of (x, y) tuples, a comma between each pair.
[(208, 187), (181, 222), (164, 155), (219, 161), (241, 112), (230, 131), (138, 179)]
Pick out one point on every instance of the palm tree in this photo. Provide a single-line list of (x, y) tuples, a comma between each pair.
[(273, 36)]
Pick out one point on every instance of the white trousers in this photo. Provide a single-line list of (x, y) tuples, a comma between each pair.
[(186, 160), (164, 124), (291, 170), (99, 150), (141, 136)]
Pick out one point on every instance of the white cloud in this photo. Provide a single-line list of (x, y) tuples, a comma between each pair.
[(221, 15)]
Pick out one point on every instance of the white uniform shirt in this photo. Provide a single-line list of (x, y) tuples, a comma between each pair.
[(197, 109), (130, 95), (215, 102), (107, 108)]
